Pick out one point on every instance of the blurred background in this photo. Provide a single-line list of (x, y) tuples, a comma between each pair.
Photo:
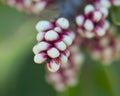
[(20, 76)]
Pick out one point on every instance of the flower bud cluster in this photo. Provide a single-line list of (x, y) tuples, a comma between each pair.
[(58, 46), (54, 39), (106, 3), (67, 75), (106, 48), (31, 6), (93, 22)]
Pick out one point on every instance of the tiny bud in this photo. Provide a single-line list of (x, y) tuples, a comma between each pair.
[(40, 47), (97, 16), (67, 53), (80, 20), (39, 58), (104, 11), (55, 77), (116, 2), (89, 34), (58, 29), (104, 41), (78, 59), (71, 34), (63, 23), (72, 81), (89, 8), (81, 32), (43, 25), (105, 3), (69, 73), (53, 53), (106, 25), (43, 46), (51, 35), (100, 31), (60, 45), (60, 87), (53, 66), (68, 40), (39, 7), (63, 59), (88, 25), (35, 49), (40, 36)]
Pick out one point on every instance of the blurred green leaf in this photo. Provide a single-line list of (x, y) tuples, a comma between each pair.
[(115, 13), (19, 76), (93, 81)]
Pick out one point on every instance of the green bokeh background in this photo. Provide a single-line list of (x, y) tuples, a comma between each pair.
[(20, 76)]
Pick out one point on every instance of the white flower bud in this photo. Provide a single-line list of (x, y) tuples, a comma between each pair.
[(40, 47), (35, 49), (43, 25), (40, 6), (39, 58), (11, 2), (54, 77), (60, 45), (97, 16), (88, 25), (53, 66), (100, 31), (89, 34), (58, 29), (78, 59), (67, 53), (63, 59), (80, 20), (71, 34), (104, 11), (68, 40), (105, 3), (51, 35), (72, 81), (60, 87), (40, 36), (106, 25), (116, 2), (89, 8), (63, 23), (53, 53)]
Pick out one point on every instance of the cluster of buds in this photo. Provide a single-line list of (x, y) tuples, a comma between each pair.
[(67, 75), (31, 6), (58, 46), (93, 22), (106, 48), (106, 3), (54, 39)]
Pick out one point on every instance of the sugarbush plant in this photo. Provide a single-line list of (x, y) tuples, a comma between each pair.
[(80, 27)]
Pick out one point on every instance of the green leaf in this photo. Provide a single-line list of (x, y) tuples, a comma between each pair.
[(115, 13), (19, 76)]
